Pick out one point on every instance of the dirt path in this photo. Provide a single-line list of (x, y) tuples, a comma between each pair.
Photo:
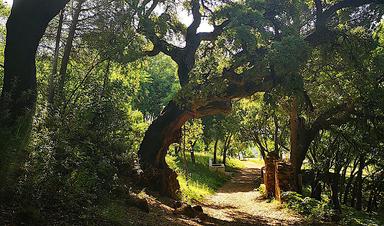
[(238, 203)]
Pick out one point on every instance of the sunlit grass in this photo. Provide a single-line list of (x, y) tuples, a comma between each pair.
[(258, 161), (201, 181), (234, 164)]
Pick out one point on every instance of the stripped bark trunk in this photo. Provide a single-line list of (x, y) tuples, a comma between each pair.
[(269, 178)]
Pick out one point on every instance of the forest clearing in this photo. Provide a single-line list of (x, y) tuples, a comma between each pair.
[(192, 112)]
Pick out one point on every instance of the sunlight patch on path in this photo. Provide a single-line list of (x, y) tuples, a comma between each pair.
[(238, 202)]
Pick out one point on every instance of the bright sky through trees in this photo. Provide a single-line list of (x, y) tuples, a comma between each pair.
[(185, 18), (9, 2)]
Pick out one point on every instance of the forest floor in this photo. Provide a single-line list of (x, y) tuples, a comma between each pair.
[(236, 203), (239, 202)]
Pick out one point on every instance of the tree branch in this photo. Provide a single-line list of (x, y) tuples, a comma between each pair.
[(192, 29), (346, 4), (211, 36), (160, 45)]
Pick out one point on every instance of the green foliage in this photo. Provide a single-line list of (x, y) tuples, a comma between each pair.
[(314, 210), (289, 55), (80, 152), (158, 85), (262, 190), (353, 217)]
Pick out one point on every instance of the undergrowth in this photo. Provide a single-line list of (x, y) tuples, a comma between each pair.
[(322, 212)]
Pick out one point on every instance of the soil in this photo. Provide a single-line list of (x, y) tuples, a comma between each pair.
[(236, 203)]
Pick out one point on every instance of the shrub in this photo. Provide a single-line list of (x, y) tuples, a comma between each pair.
[(311, 208), (262, 190)]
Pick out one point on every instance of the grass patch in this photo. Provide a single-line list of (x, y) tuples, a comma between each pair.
[(114, 212), (259, 162), (234, 164), (202, 181)]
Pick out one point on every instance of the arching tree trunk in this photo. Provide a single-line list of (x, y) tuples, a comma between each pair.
[(25, 27), (164, 131)]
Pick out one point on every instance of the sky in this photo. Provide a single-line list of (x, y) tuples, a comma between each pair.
[(9, 2)]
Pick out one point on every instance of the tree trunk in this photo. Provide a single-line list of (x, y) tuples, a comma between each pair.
[(164, 131), (349, 183), (370, 200), (335, 179), (193, 160), (269, 177), (68, 49), (276, 134), (359, 184), (215, 151), (25, 27), (348, 188), (297, 153), (206, 145), (343, 180), (55, 59), (226, 147), (301, 139), (316, 188)]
